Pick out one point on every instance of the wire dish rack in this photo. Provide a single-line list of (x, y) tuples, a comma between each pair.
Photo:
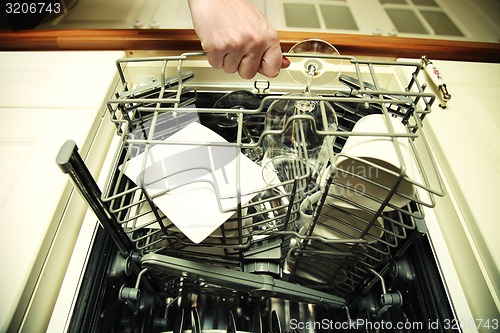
[(304, 227)]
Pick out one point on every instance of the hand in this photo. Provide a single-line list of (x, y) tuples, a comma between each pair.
[(237, 37)]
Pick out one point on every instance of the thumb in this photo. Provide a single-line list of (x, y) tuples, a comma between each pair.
[(285, 62)]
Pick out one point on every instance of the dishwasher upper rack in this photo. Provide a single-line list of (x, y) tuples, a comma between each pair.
[(173, 94), (175, 90)]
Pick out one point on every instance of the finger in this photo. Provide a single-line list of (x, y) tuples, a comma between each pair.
[(271, 62), (249, 65), (231, 61), (215, 59)]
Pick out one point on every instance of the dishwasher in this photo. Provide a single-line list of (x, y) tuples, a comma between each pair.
[(290, 246)]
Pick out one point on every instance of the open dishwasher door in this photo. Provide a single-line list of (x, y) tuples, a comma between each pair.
[(300, 249)]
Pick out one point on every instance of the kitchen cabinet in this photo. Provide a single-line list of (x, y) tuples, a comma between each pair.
[(437, 19), (466, 140)]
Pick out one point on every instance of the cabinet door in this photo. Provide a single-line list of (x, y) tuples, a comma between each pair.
[(108, 14), (417, 18), (465, 138), (438, 19)]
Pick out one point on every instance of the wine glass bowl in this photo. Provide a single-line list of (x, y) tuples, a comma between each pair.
[(295, 123)]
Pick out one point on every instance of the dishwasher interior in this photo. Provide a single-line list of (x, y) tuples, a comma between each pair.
[(299, 250)]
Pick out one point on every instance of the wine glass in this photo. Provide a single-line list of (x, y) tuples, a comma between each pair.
[(239, 100), (297, 124), (236, 100)]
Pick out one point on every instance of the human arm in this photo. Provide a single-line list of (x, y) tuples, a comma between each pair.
[(237, 37)]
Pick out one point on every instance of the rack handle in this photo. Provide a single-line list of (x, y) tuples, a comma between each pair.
[(437, 79), (70, 162)]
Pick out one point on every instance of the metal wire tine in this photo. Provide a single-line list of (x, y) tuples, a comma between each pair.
[(257, 321), (195, 321), (275, 323), (179, 323), (231, 324)]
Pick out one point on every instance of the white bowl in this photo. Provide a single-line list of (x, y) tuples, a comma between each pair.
[(370, 166), (335, 222)]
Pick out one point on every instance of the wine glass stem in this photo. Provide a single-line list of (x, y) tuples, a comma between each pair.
[(311, 70), (308, 84)]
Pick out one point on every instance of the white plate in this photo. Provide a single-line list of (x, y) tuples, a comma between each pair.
[(193, 179)]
